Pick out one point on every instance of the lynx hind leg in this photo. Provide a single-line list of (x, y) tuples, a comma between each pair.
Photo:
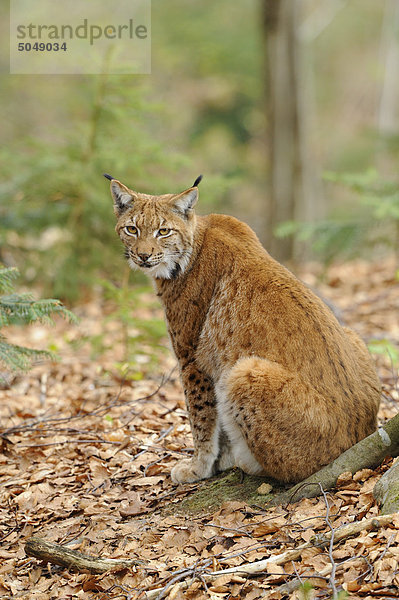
[(226, 457), (277, 425), (238, 452)]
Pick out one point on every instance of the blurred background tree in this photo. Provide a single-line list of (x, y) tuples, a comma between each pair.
[(262, 96), (292, 168)]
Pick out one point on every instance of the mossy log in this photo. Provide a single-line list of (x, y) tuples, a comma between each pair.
[(229, 485)]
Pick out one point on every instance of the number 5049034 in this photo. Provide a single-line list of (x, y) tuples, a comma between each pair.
[(42, 47)]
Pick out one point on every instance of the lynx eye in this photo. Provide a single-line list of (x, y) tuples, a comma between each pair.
[(163, 231), (131, 230)]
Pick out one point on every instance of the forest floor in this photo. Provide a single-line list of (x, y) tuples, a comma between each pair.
[(86, 453)]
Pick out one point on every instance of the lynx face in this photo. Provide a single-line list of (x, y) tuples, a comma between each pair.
[(157, 231)]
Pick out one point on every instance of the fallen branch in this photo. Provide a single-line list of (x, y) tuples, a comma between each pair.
[(255, 568), (366, 454), (71, 559), (331, 544)]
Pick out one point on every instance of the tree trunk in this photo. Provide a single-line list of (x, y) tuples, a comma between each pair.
[(291, 171), (389, 58)]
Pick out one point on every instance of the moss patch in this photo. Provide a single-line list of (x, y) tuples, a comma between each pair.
[(231, 485)]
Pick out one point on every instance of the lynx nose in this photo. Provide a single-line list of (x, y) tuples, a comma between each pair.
[(143, 257)]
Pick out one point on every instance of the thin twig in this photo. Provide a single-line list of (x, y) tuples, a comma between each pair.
[(331, 544), (239, 531), (296, 573), (162, 593), (288, 588), (61, 442)]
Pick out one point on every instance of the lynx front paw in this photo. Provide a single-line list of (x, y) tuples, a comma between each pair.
[(190, 470)]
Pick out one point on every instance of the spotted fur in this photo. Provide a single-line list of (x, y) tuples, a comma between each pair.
[(273, 383)]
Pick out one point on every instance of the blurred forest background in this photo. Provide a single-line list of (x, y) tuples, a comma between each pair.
[(290, 110), (288, 107)]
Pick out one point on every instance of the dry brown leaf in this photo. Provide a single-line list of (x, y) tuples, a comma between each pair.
[(274, 569), (252, 592), (344, 479), (133, 506), (362, 475), (351, 586), (176, 538), (269, 526), (307, 535)]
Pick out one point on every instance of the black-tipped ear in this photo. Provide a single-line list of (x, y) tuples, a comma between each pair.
[(108, 176), (197, 181), (185, 201), (122, 196)]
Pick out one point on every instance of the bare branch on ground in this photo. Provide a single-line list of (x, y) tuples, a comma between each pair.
[(72, 559)]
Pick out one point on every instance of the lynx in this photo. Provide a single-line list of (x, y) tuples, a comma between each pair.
[(274, 384)]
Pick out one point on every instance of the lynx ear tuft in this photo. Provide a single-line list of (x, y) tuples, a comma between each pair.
[(121, 195), (197, 181), (185, 201), (108, 176)]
